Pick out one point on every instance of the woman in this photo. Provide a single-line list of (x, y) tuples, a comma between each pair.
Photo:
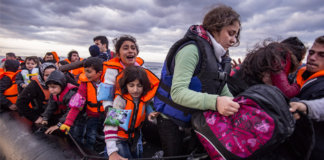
[(194, 76), (33, 99)]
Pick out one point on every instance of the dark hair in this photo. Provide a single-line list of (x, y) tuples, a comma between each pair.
[(130, 74), (219, 17), (11, 65), (103, 40), (94, 62), (266, 57), (320, 40), (49, 54), (70, 54), (118, 42), (296, 46), (11, 54), (63, 62), (33, 58)]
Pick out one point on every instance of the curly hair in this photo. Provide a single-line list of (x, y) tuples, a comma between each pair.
[(130, 74), (266, 57), (118, 42), (219, 17)]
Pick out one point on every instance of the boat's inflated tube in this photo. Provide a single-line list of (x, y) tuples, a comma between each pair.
[(18, 141)]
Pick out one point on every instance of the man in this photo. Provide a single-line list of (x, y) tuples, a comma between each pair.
[(73, 56), (102, 43), (311, 80), (9, 56)]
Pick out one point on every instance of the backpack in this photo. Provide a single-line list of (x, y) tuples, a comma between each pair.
[(262, 123)]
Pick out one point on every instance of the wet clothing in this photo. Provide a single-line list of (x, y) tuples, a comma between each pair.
[(313, 92)]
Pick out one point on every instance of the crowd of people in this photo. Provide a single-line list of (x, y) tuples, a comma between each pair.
[(197, 76)]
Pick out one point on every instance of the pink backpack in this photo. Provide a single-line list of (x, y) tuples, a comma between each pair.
[(261, 124)]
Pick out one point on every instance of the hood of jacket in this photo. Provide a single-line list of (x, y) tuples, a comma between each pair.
[(57, 77)]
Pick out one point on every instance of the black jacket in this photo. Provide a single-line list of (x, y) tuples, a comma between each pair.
[(5, 83), (31, 94)]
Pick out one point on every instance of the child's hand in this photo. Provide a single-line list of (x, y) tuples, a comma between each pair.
[(13, 107), (153, 115), (51, 129), (116, 156), (44, 122), (39, 120), (24, 86), (65, 128)]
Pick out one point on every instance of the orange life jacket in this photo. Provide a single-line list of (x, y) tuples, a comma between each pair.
[(76, 72), (45, 91), (56, 57), (139, 110), (12, 92), (91, 100), (299, 78), (114, 63)]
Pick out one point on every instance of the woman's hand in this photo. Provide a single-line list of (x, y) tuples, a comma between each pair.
[(116, 156), (51, 129), (226, 106)]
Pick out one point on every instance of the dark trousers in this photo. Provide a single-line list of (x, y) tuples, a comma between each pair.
[(171, 137)]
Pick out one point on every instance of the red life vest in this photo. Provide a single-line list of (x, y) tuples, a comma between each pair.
[(61, 96)]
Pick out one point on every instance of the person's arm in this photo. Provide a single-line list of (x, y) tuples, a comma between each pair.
[(52, 106), (111, 131), (109, 82), (19, 79), (315, 108), (5, 83), (32, 91), (280, 80), (185, 63)]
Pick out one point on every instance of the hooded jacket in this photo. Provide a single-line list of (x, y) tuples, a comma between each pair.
[(58, 104)]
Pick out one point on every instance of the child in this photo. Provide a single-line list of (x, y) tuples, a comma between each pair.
[(8, 87), (86, 96), (61, 93), (136, 87), (31, 69)]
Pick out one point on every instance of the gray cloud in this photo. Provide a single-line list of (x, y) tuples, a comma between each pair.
[(156, 24)]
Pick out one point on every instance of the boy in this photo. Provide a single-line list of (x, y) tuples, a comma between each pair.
[(87, 91), (8, 86), (61, 93)]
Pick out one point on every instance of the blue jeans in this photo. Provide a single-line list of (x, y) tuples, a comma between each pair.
[(124, 149), (85, 131)]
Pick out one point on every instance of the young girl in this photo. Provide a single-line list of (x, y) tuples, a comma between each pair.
[(31, 69), (135, 88)]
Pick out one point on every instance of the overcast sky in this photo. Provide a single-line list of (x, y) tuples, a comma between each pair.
[(33, 27)]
